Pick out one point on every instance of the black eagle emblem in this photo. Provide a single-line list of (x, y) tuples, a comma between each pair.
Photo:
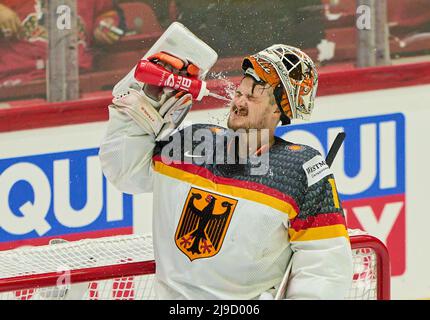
[(203, 224)]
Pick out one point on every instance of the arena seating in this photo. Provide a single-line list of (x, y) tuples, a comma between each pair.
[(406, 18)]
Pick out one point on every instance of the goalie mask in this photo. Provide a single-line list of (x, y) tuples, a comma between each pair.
[(293, 76)]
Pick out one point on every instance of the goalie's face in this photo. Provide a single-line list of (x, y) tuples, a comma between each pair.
[(253, 107)]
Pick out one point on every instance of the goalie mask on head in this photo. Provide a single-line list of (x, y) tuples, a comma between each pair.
[(293, 76)]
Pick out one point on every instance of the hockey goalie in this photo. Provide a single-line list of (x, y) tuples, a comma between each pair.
[(236, 210)]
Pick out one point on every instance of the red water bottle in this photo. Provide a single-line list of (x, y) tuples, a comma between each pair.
[(154, 74)]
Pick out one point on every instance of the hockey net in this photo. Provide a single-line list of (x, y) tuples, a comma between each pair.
[(122, 268)]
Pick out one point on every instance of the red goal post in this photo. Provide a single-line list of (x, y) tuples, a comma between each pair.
[(122, 267)]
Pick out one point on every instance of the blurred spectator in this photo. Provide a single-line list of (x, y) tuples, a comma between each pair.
[(24, 38), (162, 9), (235, 27)]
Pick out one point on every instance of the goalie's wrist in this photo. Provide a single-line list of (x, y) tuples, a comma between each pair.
[(137, 107)]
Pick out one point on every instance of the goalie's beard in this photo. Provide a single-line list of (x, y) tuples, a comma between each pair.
[(243, 122)]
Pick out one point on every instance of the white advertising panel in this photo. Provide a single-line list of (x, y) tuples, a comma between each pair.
[(51, 184)]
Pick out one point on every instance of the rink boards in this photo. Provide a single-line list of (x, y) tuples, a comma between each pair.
[(51, 184)]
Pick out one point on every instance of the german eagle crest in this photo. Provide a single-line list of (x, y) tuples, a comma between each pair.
[(203, 224)]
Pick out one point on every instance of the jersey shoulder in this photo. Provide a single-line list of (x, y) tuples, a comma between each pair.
[(294, 152), (304, 160)]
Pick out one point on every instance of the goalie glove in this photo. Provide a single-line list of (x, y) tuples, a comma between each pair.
[(174, 112), (156, 95), (160, 123)]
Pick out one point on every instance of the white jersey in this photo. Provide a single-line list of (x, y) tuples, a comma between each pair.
[(220, 233)]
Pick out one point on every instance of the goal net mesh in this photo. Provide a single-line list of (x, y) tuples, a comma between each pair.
[(118, 268)]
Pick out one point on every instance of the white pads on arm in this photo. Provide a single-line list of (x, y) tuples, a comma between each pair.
[(160, 123)]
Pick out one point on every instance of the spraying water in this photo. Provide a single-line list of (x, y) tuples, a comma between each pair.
[(219, 97), (228, 89)]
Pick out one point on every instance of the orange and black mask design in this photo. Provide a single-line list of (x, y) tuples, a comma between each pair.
[(266, 73), (291, 73), (203, 224)]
